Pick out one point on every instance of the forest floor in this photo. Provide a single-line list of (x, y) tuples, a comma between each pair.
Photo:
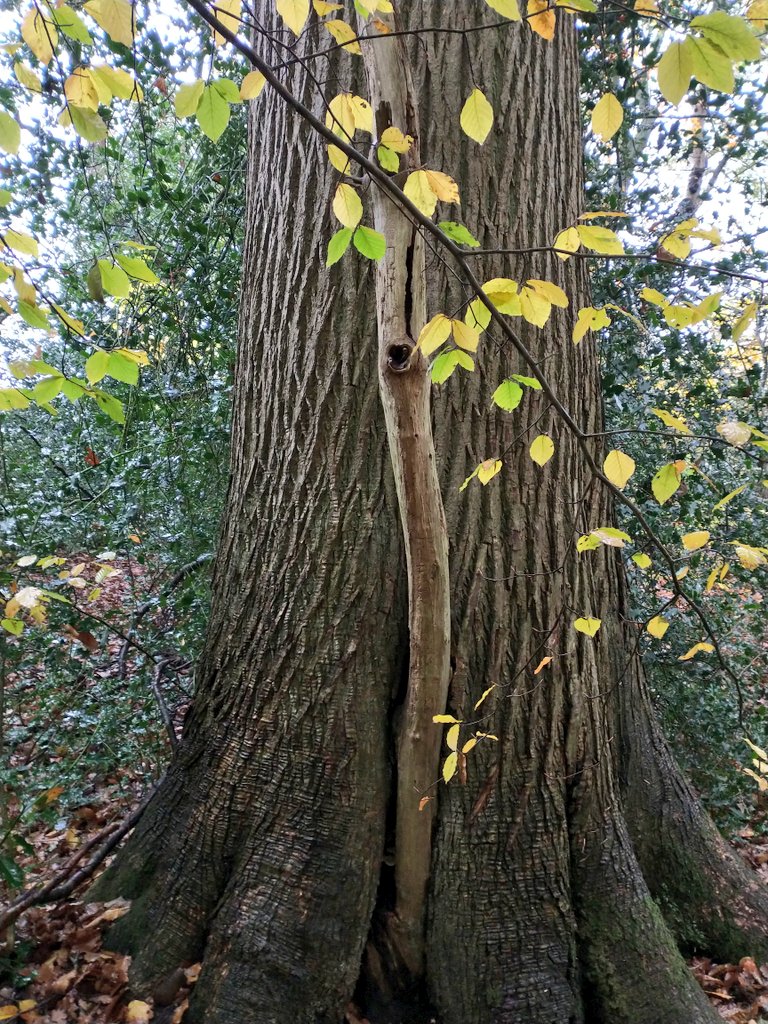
[(55, 967)]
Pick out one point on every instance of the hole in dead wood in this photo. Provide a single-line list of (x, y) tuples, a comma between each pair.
[(398, 357)]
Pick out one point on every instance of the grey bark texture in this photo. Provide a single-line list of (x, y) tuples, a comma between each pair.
[(264, 850)]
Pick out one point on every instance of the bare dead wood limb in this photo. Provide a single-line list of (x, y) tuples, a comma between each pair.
[(405, 390)]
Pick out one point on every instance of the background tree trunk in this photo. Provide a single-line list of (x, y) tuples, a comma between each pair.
[(265, 848)]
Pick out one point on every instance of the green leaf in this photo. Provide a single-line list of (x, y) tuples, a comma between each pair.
[(87, 123), (138, 269), (110, 405), (10, 134), (732, 34), (666, 482), (187, 98), (458, 233), (114, 279), (507, 395), (19, 241), (213, 113), (227, 89), (710, 65), (388, 159), (71, 24), (443, 366), (13, 626), (446, 363), (338, 245), (47, 388), (369, 243), (33, 315), (73, 389), (529, 382), (122, 369), (96, 366), (674, 72)]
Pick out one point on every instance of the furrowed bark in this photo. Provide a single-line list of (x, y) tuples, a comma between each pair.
[(405, 387)]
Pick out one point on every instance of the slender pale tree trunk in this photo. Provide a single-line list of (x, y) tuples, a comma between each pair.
[(278, 850)]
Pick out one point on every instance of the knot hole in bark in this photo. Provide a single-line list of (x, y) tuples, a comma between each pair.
[(399, 356)]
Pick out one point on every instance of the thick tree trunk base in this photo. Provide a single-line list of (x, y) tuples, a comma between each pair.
[(285, 938)]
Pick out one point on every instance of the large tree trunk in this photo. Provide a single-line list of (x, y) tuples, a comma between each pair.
[(267, 850)]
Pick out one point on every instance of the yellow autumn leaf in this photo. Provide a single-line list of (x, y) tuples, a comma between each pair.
[(484, 695), (506, 8), (394, 139), (504, 294), (541, 18), (487, 470), (340, 116), (187, 98), (434, 333), (465, 337), (452, 737), (444, 187), (9, 1011), (757, 14), (343, 34), (587, 626), (646, 8), (322, 8), (642, 561), (252, 85), (139, 1012), (729, 497), (111, 82), (747, 317), (607, 117), (338, 159), (347, 206), (542, 449), (552, 292), (363, 112), (535, 308), (39, 34), (619, 468), (445, 719), (567, 240), (674, 72), (20, 242), (601, 240), (80, 89), (749, 557), (658, 626), (589, 319), (419, 191), (30, 80), (695, 540), (476, 116), (115, 17), (706, 648), (294, 13), (449, 766), (229, 13), (472, 743), (670, 420)]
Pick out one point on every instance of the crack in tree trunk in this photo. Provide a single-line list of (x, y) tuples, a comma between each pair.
[(404, 385)]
